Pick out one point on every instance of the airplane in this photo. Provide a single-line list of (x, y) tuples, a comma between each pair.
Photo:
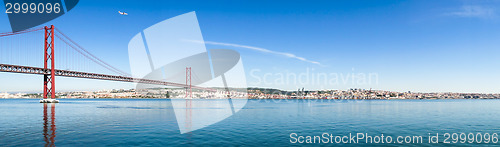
[(122, 13)]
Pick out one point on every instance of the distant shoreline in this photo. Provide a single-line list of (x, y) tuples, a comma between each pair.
[(257, 93), (244, 99)]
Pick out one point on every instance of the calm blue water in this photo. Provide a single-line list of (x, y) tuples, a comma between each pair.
[(128, 122)]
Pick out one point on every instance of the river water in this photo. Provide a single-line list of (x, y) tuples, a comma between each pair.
[(153, 122)]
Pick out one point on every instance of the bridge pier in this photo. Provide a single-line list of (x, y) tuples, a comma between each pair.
[(49, 101)]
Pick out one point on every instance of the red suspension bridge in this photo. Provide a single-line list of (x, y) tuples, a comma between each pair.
[(21, 53)]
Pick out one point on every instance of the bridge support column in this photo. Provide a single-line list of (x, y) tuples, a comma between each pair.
[(49, 84), (189, 90)]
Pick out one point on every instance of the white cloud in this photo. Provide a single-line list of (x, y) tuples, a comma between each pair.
[(289, 55), (473, 11)]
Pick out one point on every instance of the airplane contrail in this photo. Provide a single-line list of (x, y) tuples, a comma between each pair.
[(289, 55)]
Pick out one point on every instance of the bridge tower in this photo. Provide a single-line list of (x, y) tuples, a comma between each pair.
[(49, 84), (189, 91)]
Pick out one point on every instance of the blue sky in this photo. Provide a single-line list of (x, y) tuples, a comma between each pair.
[(423, 46)]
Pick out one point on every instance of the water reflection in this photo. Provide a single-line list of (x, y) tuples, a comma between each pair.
[(49, 138), (188, 121), (188, 114)]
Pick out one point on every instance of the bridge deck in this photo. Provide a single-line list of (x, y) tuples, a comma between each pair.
[(76, 74)]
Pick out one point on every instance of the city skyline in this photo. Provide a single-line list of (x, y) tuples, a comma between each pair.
[(256, 93), (448, 46)]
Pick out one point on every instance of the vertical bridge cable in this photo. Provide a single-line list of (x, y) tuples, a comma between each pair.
[(79, 62), (20, 48), (90, 56)]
